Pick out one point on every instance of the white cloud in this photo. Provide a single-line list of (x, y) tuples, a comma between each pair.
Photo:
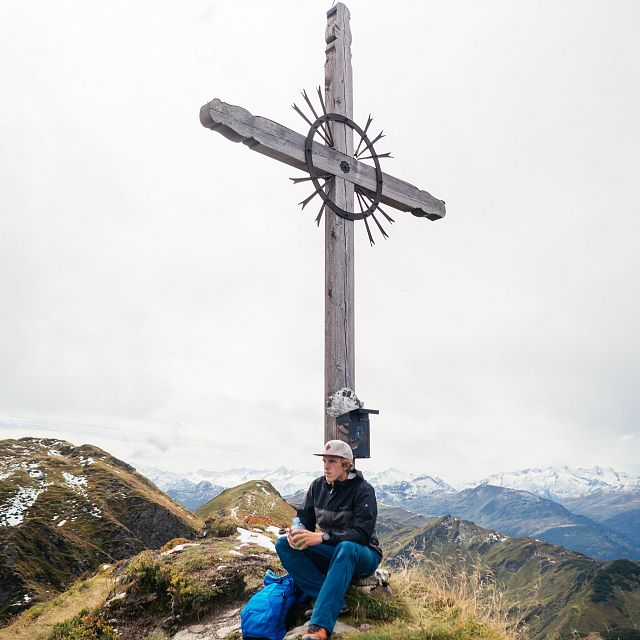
[(160, 287)]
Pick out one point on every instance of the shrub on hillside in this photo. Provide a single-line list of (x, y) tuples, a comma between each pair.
[(146, 574), (220, 527), (174, 543), (189, 597), (156, 582), (84, 626)]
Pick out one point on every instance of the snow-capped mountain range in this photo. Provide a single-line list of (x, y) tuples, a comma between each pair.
[(289, 481), (553, 483), (561, 483)]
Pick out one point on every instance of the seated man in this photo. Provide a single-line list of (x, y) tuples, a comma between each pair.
[(322, 563)]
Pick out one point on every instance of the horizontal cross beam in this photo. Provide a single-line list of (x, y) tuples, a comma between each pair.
[(283, 144)]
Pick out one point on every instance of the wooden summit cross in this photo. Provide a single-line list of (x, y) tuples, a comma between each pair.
[(344, 174)]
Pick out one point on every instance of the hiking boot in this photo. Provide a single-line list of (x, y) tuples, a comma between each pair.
[(309, 612), (314, 632)]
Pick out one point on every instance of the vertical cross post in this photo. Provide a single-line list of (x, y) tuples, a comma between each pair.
[(339, 337)]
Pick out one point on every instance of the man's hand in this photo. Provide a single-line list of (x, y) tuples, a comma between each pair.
[(301, 539)]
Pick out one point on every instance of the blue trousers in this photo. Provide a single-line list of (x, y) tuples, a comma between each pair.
[(324, 572)]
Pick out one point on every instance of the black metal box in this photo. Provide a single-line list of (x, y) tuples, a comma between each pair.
[(356, 423)]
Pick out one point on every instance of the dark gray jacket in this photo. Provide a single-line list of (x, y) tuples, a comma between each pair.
[(347, 510)]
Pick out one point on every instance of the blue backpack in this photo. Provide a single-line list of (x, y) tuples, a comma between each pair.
[(263, 617)]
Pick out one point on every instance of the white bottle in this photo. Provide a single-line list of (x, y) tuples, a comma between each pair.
[(296, 525)]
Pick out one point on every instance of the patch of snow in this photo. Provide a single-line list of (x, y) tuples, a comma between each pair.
[(77, 483), (95, 511), (4, 476), (179, 547), (389, 476), (251, 537), (12, 513), (569, 525), (495, 537), (234, 512), (61, 522), (233, 552), (275, 531)]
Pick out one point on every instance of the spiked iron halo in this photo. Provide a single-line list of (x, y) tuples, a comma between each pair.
[(322, 126)]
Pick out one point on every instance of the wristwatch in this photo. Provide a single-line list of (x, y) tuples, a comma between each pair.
[(325, 536)]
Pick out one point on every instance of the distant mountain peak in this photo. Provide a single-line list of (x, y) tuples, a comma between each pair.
[(562, 482), (251, 503)]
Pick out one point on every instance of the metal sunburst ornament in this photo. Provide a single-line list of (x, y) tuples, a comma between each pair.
[(364, 152)]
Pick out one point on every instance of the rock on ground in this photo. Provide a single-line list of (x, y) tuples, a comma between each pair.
[(225, 624)]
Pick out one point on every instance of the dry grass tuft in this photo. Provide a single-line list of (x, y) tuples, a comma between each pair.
[(443, 603)]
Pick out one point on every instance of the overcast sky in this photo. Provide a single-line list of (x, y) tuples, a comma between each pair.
[(162, 293)]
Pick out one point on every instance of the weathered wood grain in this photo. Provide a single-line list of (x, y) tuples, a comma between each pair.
[(339, 299), (281, 143)]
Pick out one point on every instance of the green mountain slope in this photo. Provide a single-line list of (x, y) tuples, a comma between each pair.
[(557, 590), (253, 503), (64, 510), (519, 513)]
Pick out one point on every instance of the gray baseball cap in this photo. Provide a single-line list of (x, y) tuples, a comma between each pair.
[(337, 448)]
